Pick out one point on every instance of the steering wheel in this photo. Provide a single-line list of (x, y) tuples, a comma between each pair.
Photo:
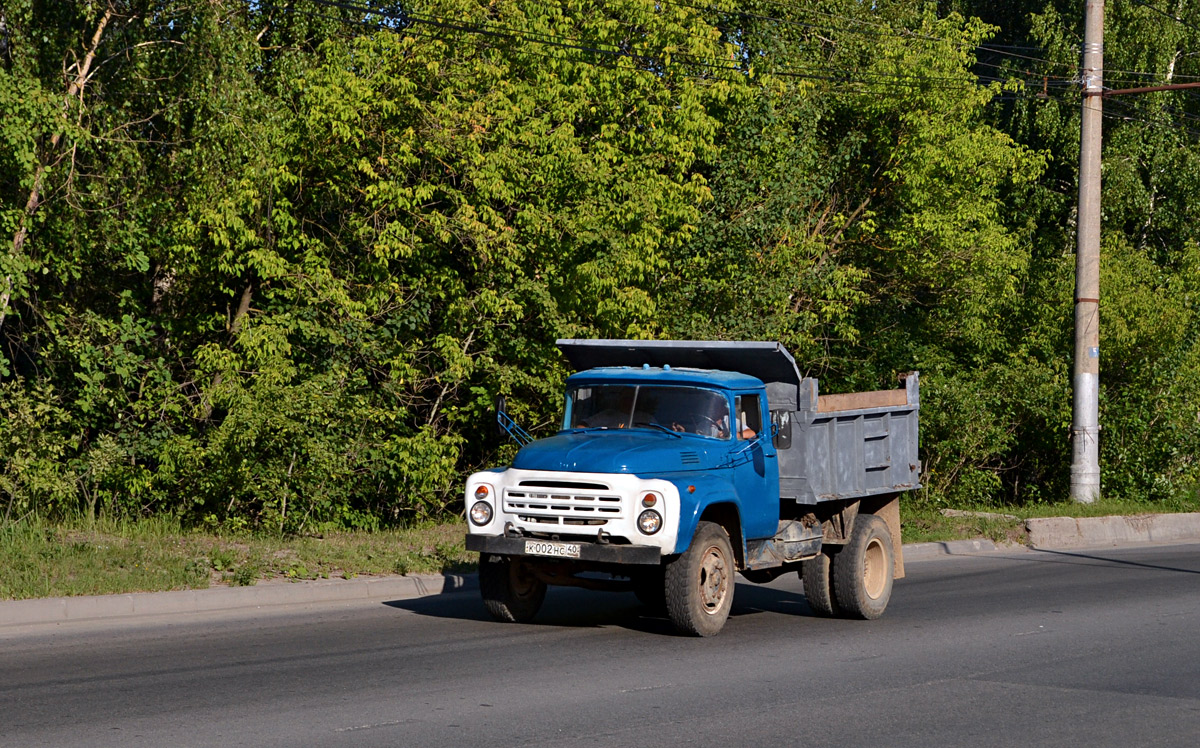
[(714, 426)]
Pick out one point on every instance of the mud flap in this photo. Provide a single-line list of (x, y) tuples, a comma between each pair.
[(890, 514)]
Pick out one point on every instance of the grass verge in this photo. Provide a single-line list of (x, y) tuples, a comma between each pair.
[(925, 523), (50, 560), (39, 559)]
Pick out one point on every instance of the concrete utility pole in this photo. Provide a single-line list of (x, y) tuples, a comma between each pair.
[(1085, 420)]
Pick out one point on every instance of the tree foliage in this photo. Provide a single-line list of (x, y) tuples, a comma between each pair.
[(267, 264)]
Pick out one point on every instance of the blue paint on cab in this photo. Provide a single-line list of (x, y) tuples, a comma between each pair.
[(706, 470)]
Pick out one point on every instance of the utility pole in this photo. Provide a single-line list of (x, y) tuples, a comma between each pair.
[(1085, 418)]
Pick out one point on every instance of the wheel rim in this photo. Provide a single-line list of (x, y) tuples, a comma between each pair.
[(714, 580), (874, 569)]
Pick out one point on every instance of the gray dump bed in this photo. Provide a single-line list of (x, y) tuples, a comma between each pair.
[(860, 444), (830, 447)]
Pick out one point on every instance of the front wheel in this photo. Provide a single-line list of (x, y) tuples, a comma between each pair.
[(699, 583), (864, 569), (511, 592)]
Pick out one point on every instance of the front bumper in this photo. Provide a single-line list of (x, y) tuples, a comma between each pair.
[(593, 552)]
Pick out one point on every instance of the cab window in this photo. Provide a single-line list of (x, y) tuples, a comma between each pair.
[(749, 416)]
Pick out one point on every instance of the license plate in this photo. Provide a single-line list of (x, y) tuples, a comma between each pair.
[(548, 548)]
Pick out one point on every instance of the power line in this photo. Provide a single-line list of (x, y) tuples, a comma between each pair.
[(404, 20), (411, 30), (657, 60), (1128, 115), (834, 75), (497, 30), (884, 30), (391, 10), (1165, 14), (997, 49)]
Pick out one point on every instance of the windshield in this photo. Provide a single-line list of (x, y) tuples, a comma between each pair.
[(690, 410)]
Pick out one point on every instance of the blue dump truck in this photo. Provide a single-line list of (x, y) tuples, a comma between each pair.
[(679, 463)]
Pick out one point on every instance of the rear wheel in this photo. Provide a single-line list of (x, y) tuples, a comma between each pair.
[(818, 584), (511, 592), (864, 569), (699, 583)]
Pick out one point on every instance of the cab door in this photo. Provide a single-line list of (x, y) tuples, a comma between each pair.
[(755, 466)]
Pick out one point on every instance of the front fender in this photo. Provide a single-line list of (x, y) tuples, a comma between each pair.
[(697, 493)]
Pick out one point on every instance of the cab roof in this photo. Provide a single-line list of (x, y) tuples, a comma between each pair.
[(646, 375)]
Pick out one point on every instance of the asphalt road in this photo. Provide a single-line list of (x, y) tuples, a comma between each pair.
[(1095, 648)]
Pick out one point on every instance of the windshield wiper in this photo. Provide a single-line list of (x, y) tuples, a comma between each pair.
[(660, 427)]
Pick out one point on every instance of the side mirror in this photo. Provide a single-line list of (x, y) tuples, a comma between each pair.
[(781, 428)]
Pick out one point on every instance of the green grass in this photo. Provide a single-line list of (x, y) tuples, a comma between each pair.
[(922, 523), (39, 559)]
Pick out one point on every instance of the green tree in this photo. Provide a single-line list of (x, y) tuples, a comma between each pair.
[(1150, 177), (859, 215)]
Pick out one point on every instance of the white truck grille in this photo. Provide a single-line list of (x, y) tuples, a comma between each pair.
[(551, 503)]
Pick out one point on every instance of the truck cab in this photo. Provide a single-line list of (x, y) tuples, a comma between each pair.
[(676, 464)]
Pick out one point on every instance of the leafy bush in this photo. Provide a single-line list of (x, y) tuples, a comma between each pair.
[(268, 273)]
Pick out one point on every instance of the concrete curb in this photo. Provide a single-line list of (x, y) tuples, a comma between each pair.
[(82, 608), (924, 551), (1094, 532)]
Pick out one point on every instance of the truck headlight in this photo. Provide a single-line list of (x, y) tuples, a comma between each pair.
[(481, 513), (649, 522)]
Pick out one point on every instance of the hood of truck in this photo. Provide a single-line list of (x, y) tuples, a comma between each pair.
[(620, 451)]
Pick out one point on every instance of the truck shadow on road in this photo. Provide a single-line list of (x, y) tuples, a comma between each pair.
[(574, 608), (1094, 559)]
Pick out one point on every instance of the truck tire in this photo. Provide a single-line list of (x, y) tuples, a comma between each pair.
[(818, 584), (649, 587), (863, 570), (510, 591), (699, 583)]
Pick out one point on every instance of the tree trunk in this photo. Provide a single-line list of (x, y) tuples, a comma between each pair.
[(235, 325), (74, 88)]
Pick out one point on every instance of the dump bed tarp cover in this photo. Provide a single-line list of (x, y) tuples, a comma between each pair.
[(770, 362)]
